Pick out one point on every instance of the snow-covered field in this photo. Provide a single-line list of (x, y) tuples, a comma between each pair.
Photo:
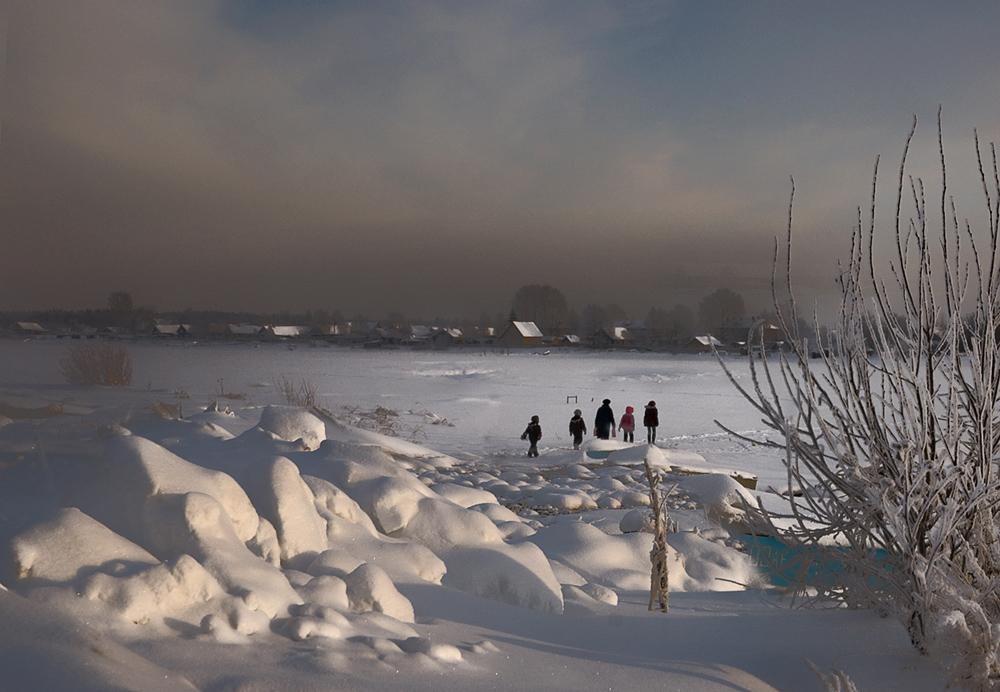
[(161, 546)]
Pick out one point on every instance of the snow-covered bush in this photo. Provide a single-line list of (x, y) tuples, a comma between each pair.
[(891, 430)]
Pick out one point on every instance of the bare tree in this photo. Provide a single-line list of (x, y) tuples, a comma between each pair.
[(120, 305), (719, 306), (545, 305), (892, 438), (671, 325)]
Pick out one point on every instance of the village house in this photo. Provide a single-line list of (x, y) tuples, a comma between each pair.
[(445, 338), (177, 331), (243, 332), (703, 344), (610, 337), (30, 329), (734, 332), (521, 334), (286, 332)]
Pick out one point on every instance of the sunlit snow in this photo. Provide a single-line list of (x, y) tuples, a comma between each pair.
[(195, 530)]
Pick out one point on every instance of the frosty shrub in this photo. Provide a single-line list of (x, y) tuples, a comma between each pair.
[(97, 363), (659, 588), (892, 431), (302, 394)]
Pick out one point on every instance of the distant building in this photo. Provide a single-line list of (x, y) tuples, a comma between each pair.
[(169, 330), (243, 331), (30, 328), (445, 338), (734, 332), (521, 334), (703, 343), (288, 332), (610, 337)]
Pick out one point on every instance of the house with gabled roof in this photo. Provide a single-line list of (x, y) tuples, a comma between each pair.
[(521, 334), (610, 337), (704, 343), (244, 331), (443, 338), (288, 331), (30, 328), (169, 330), (734, 332)]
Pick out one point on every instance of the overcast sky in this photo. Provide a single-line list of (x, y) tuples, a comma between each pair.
[(432, 157)]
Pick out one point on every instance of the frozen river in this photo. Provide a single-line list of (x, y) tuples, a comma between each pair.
[(486, 397)]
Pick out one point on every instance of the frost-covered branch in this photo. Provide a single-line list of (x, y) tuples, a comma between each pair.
[(892, 434)]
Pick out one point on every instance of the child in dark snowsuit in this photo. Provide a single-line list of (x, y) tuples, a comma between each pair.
[(577, 428), (651, 419), (627, 425), (533, 433)]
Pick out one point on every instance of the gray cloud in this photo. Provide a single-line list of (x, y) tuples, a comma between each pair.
[(431, 157)]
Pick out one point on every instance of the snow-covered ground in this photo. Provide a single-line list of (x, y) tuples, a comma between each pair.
[(149, 544)]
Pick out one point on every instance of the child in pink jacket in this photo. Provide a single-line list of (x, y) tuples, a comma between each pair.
[(627, 425)]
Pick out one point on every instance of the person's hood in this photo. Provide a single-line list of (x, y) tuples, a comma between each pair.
[(629, 409)]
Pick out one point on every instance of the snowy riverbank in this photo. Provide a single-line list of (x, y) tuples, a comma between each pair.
[(270, 548)]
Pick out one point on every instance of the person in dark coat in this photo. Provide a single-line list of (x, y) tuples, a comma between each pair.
[(577, 428), (651, 419), (533, 433), (604, 422)]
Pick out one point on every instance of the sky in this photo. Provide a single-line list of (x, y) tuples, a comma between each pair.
[(430, 158)]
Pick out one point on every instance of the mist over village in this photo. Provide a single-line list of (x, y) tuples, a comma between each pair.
[(539, 317)]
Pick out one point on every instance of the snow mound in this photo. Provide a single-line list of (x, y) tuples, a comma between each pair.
[(619, 562), (164, 589), (136, 469), (341, 431), (463, 495), (283, 498), (707, 565), (370, 588), (720, 495), (637, 454), (44, 649), (518, 574), (69, 545), (292, 424)]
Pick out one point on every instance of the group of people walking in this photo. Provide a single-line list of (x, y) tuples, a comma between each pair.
[(604, 426)]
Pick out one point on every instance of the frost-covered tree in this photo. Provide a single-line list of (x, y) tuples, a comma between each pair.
[(892, 438)]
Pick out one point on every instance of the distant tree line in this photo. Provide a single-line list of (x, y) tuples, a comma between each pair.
[(542, 304), (548, 308)]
